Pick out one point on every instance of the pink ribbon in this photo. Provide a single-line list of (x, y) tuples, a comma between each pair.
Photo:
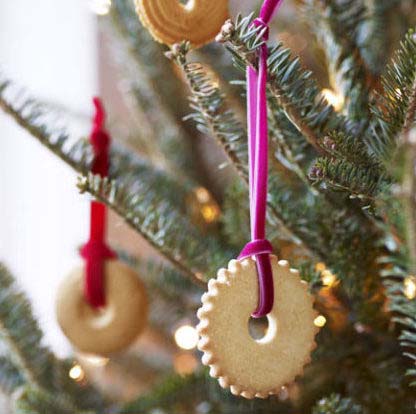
[(257, 127)]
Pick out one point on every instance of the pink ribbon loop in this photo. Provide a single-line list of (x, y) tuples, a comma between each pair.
[(256, 247), (258, 171)]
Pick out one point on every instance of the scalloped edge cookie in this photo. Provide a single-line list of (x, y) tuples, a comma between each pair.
[(256, 368)]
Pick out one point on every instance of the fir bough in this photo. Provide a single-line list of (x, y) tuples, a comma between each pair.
[(335, 404), (395, 106)]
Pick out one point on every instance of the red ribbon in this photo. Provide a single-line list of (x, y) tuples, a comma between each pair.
[(95, 251)]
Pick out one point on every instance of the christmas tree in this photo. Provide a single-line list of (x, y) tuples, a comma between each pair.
[(341, 205)]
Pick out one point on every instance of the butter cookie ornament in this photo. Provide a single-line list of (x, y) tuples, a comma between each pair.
[(110, 328), (249, 367), (102, 306), (170, 21)]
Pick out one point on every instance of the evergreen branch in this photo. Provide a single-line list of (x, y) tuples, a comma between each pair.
[(174, 237), (125, 166), (293, 88), (174, 391), (342, 175), (33, 117), (182, 395), (405, 311), (31, 363), (350, 167), (292, 149), (10, 377), (212, 116), (22, 335), (291, 206), (337, 24), (172, 285), (408, 188), (236, 214), (396, 105), (159, 192), (172, 295), (377, 44), (348, 148), (148, 56), (37, 401), (335, 404)]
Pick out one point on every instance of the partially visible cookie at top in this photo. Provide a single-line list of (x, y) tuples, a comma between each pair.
[(170, 21)]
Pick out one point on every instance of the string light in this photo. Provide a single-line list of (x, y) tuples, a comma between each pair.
[(320, 321), (186, 337), (333, 98), (328, 278), (76, 373), (210, 211), (320, 267), (100, 7), (410, 287), (202, 194)]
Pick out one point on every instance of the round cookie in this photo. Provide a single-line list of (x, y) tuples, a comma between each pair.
[(256, 368), (170, 21), (112, 328)]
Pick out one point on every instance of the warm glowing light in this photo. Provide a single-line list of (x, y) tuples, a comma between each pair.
[(208, 208), (202, 194), (333, 98), (410, 287), (328, 278), (96, 360), (210, 212), (186, 337), (320, 267), (100, 7), (320, 321), (185, 363), (77, 373)]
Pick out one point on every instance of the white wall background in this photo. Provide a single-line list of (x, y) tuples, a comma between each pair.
[(49, 46)]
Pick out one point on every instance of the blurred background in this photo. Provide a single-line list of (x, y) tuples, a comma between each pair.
[(65, 53)]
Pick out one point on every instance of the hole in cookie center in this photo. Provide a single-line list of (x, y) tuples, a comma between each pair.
[(187, 4), (258, 327), (101, 318)]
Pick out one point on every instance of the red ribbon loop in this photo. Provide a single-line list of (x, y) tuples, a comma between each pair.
[(95, 251)]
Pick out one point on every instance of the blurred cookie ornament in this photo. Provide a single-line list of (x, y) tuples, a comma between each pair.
[(249, 367), (102, 306), (109, 328), (170, 21)]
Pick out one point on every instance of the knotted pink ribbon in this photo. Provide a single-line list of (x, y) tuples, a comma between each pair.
[(257, 127)]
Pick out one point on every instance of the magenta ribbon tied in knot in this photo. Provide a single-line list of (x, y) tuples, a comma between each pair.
[(257, 127)]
